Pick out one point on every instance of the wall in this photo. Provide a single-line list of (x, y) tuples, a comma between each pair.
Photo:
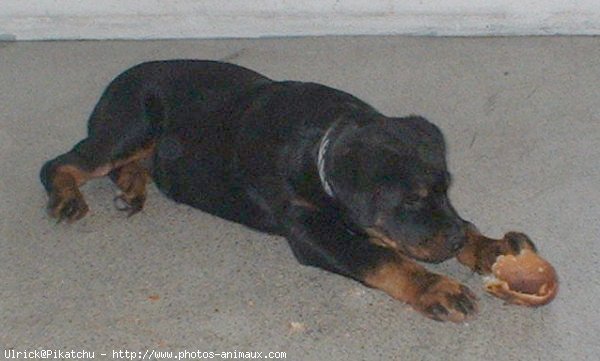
[(95, 19)]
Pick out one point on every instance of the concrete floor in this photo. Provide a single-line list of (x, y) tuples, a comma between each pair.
[(522, 121)]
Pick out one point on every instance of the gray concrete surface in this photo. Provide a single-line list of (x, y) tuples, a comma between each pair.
[(522, 120)]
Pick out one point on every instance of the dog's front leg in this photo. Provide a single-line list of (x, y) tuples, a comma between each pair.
[(320, 238)]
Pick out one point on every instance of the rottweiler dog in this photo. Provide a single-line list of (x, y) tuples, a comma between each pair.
[(353, 191)]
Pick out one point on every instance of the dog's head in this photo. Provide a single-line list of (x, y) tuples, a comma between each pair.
[(391, 178)]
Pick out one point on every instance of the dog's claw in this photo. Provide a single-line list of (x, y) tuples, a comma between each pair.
[(131, 206), (465, 302), (137, 203), (437, 312), (69, 206), (448, 300), (69, 211), (120, 203)]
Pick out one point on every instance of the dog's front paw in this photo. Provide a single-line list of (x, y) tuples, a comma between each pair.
[(67, 204), (446, 300)]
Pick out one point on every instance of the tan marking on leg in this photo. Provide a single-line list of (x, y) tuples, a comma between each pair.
[(132, 179), (379, 238), (396, 279), (301, 202), (65, 198), (426, 254), (144, 152), (70, 176)]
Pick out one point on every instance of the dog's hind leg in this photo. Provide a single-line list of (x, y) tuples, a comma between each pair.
[(64, 175), (91, 158), (122, 130)]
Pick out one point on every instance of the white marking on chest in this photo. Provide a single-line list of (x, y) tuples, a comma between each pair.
[(323, 146)]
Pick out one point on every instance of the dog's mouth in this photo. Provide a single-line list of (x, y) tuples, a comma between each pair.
[(427, 250)]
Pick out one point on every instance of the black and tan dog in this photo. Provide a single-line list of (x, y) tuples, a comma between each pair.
[(354, 192)]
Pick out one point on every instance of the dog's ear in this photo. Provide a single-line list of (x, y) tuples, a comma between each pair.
[(426, 138), (423, 127)]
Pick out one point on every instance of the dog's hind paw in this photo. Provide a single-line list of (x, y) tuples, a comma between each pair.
[(68, 204), (131, 205)]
